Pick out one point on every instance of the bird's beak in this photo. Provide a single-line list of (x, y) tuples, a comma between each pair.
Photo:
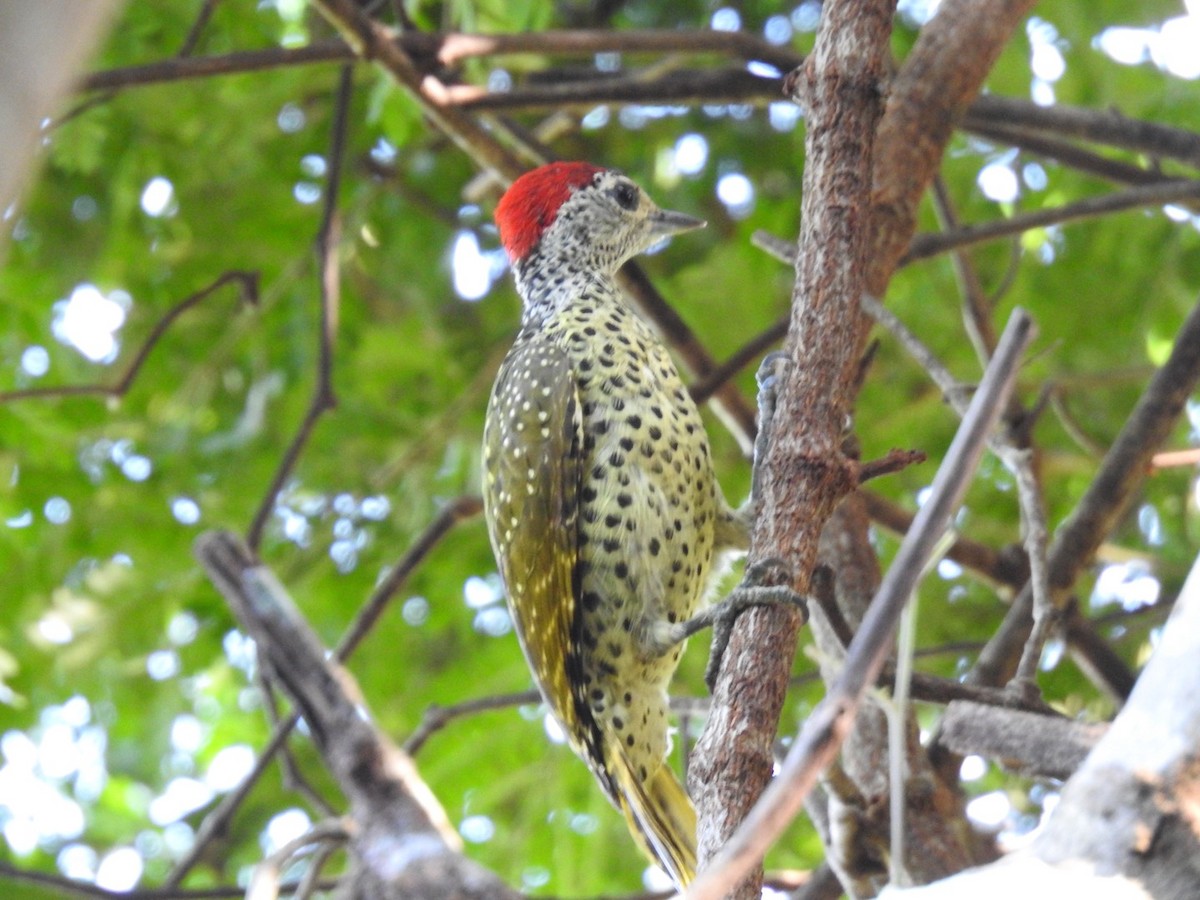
[(665, 222)]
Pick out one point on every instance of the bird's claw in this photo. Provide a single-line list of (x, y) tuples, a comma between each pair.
[(765, 583)]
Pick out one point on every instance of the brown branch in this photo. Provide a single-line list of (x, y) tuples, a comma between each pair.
[(246, 281), (460, 509), (924, 246), (207, 8), (805, 472), (66, 887), (696, 87), (1064, 152), (428, 50), (438, 717), (451, 48), (187, 68), (977, 313), (934, 87), (894, 461), (329, 276), (703, 388), (217, 821)]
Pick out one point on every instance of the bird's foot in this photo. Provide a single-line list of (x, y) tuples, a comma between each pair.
[(765, 583)]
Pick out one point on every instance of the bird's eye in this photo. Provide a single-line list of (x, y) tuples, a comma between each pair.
[(626, 195)]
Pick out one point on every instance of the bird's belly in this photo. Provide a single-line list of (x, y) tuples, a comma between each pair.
[(647, 518)]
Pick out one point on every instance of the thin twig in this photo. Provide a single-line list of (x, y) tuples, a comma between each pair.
[(1063, 152), (327, 243), (67, 887), (977, 313), (1106, 498), (457, 510), (703, 388), (207, 8), (217, 820), (694, 87), (1036, 534), (1102, 126), (952, 389), (438, 717), (894, 461), (246, 281), (924, 246), (1162, 193), (265, 880), (292, 777), (1073, 427)]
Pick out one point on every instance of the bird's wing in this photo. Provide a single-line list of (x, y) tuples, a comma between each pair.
[(533, 441)]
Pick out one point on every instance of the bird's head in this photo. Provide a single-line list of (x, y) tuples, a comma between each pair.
[(575, 211)]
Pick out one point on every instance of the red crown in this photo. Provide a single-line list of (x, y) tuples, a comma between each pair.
[(530, 206)]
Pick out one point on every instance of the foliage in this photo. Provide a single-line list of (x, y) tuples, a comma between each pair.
[(123, 681)]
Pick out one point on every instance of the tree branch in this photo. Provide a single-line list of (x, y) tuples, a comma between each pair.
[(805, 471), (1155, 194), (1098, 126), (1125, 825), (403, 844), (217, 820)]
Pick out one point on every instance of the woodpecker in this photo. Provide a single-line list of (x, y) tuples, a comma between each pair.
[(601, 503)]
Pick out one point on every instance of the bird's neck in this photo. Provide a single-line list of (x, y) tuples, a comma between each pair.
[(548, 284)]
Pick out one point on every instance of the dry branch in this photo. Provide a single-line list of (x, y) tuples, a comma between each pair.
[(217, 821), (329, 299), (402, 842)]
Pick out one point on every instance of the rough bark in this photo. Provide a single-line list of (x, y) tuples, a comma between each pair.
[(806, 473)]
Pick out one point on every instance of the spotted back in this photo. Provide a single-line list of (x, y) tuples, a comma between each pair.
[(532, 471)]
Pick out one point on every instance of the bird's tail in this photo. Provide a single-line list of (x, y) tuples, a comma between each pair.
[(660, 816)]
